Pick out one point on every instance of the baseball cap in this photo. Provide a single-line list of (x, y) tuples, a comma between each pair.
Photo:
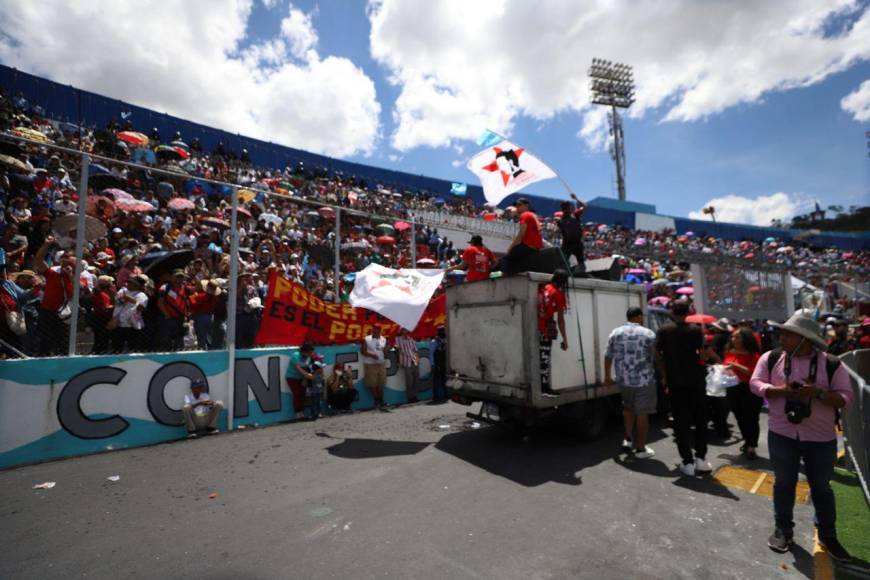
[(523, 200), (197, 384), (476, 241)]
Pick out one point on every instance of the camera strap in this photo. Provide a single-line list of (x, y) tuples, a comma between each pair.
[(814, 367)]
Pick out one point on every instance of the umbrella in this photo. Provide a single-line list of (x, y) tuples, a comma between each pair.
[(602, 227), (402, 226), (32, 134), (96, 201), (133, 205), (386, 228), (327, 212), (117, 193), (640, 242), (271, 218), (97, 169), (167, 152), (155, 263), (215, 222), (637, 271), (425, 262), (754, 289), (14, 164), (749, 256), (313, 214), (659, 282), (686, 291), (600, 243), (785, 250), (246, 195), (133, 138), (68, 226), (385, 240), (181, 144), (244, 211), (558, 214), (182, 152), (701, 318), (769, 240), (181, 203), (659, 300), (689, 234)]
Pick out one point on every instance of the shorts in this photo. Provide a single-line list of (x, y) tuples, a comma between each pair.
[(374, 375), (641, 400)]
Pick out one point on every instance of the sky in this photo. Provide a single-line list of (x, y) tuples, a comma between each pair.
[(757, 108)]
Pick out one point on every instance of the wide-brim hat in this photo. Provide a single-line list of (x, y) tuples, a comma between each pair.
[(722, 325), (214, 284), (804, 326)]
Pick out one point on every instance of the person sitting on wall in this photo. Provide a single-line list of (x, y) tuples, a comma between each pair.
[(340, 392), (200, 411)]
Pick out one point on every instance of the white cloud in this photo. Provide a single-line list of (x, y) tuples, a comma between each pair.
[(858, 102), (185, 57), (457, 163), (486, 63), (269, 4), (759, 211)]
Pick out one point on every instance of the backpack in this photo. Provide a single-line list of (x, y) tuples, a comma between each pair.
[(831, 364)]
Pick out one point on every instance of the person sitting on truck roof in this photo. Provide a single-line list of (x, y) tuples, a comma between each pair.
[(551, 301), (523, 251), (477, 260), (631, 348)]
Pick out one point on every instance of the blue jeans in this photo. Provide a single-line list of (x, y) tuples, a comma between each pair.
[(819, 458), (202, 327)]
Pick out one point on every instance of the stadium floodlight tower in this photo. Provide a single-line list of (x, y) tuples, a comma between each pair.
[(613, 85)]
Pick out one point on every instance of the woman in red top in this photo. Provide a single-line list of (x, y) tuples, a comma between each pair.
[(740, 358), (551, 301)]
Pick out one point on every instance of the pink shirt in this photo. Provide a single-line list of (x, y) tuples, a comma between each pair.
[(819, 426)]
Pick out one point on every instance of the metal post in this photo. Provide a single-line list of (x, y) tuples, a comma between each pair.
[(335, 284), (231, 309), (618, 154), (413, 243), (80, 250)]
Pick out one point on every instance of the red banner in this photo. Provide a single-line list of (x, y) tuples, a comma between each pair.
[(292, 315)]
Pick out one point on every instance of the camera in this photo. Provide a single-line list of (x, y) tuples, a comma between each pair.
[(796, 411)]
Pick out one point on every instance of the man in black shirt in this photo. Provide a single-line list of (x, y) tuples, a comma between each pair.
[(681, 354), (572, 232)]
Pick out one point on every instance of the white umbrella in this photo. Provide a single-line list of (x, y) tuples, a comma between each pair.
[(271, 218)]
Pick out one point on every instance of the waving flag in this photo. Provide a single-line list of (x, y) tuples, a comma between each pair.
[(458, 189), (488, 138), (400, 295), (505, 168)]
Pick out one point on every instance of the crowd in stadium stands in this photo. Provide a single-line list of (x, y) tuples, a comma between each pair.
[(156, 263)]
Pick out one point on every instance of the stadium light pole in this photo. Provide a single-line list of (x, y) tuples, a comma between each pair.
[(612, 84)]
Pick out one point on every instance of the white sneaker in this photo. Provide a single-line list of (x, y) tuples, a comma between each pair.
[(644, 453), (626, 445), (687, 469), (702, 466)]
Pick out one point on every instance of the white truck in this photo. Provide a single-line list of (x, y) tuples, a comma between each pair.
[(493, 350)]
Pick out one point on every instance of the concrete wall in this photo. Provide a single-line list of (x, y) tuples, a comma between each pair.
[(65, 406)]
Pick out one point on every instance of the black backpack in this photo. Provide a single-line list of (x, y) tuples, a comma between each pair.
[(831, 364)]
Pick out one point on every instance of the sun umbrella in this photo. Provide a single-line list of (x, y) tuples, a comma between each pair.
[(181, 203), (327, 212), (133, 205), (659, 300), (181, 144), (602, 227), (156, 263), (689, 234), (182, 152), (97, 202), (97, 169), (769, 240), (215, 222), (386, 228), (402, 226), (749, 256), (754, 289), (244, 211), (133, 138), (438, 201), (640, 242), (313, 214), (701, 318), (386, 240), (166, 152), (68, 226), (785, 250), (117, 193), (425, 262), (637, 271), (686, 291), (246, 195), (32, 134), (14, 164), (659, 282), (600, 243), (271, 218)]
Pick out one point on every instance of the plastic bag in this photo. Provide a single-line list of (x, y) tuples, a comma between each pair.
[(719, 378)]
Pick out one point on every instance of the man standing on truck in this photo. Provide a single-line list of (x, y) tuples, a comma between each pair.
[(523, 251), (681, 353), (551, 301), (374, 365), (477, 261), (631, 348), (571, 230)]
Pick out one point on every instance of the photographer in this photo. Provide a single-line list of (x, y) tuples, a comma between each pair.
[(803, 388)]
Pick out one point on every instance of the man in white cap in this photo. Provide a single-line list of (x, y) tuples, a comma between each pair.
[(803, 388)]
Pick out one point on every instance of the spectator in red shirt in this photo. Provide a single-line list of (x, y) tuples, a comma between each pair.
[(477, 260), (203, 303), (54, 311), (103, 310), (551, 301), (173, 305), (740, 358), (523, 251)]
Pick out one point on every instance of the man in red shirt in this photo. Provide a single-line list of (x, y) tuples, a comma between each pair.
[(54, 310), (551, 301), (477, 261), (523, 251), (174, 307)]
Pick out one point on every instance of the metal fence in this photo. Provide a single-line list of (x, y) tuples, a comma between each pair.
[(856, 418)]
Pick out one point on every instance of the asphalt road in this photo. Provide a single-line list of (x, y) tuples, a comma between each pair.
[(389, 495)]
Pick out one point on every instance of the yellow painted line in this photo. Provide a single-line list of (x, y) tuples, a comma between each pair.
[(758, 483), (824, 568)]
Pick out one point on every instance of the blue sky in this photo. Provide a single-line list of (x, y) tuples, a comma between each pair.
[(753, 94)]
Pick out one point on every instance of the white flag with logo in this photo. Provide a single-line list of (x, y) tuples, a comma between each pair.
[(504, 169), (400, 295)]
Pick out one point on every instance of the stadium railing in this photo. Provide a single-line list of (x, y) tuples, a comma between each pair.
[(856, 418)]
